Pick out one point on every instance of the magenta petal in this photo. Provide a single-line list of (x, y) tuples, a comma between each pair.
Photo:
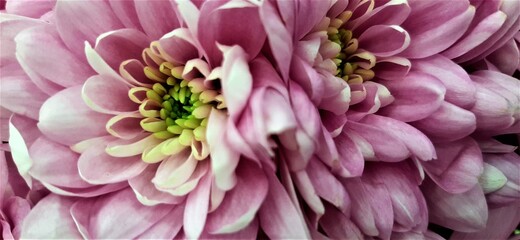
[(501, 222), (279, 217), (384, 41), (414, 140), (54, 61), (464, 212), (97, 167), (339, 226), (392, 68), (78, 22), (391, 13), (241, 203), (218, 24), (416, 97), (196, 211), (351, 162), (101, 218), (50, 218), (66, 119), (434, 26), (47, 155), (506, 58), (157, 17), (448, 123)]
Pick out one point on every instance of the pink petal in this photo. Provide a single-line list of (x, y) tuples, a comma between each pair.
[(36, 10), (308, 78), (240, 204), (416, 97), (196, 211), (414, 140), (19, 95), (178, 46), (393, 12), (78, 22), (167, 228), (278, 216), (466, 212), (460, 90), (125, 126), (218, 24), (236, 79), (16, 209), (146, 192), (384, 41), (157, 17), (250, 232), (105, 94), (279, 38), (307, 192), (327, 186), (508, 165), (448, 123), (351, 162), (53, 62), (22, 134), (120, 45), (50, 218), (46, 155), (434, 26), (506, 58), (101, 218), (66, 119), (223, 159), (97, 167), (500, 224), (480, 33), (125, 11), (392, 68), (176, 170), (385, 146), (339, 226)]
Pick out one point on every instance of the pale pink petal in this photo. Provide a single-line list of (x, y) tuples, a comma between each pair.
[(175, 170), (46, 155), (157, 17), (125, 11), (101, 218), (223, 159), (53, 62), (218, 24), (120, 45), (236, 79), (125, 126), (37, 9), (434, 26), (240, 204), (97, 167), (79, 21), (146, 192), (105, 94), (307, 192), (167, 228), (22, 134), (16, 209), (279, 218), (465, 212), (19, 95), (178, 46), (66, 119), (50, 218), (196, 211)]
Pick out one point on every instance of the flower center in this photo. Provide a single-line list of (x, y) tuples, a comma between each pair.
[(353, 64), (172, 108)]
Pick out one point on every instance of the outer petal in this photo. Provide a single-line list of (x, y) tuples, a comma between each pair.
[(384, 41), (434, 26), (105, 94), (50, 218), (240, 204), (501, 222), (462, 212), (197, 205), (218, 24), (19, 95), (37, 9), (66, 119), (157, 17), (278, 216)]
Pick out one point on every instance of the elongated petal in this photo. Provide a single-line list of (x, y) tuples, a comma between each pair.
[(197, 205), (157, 18), (120, 45), (50, 218), (501, 222), (146, 192), (66, 119), (20, 95), (105, 94), (236, 79), (278, 215), (384, 41)]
